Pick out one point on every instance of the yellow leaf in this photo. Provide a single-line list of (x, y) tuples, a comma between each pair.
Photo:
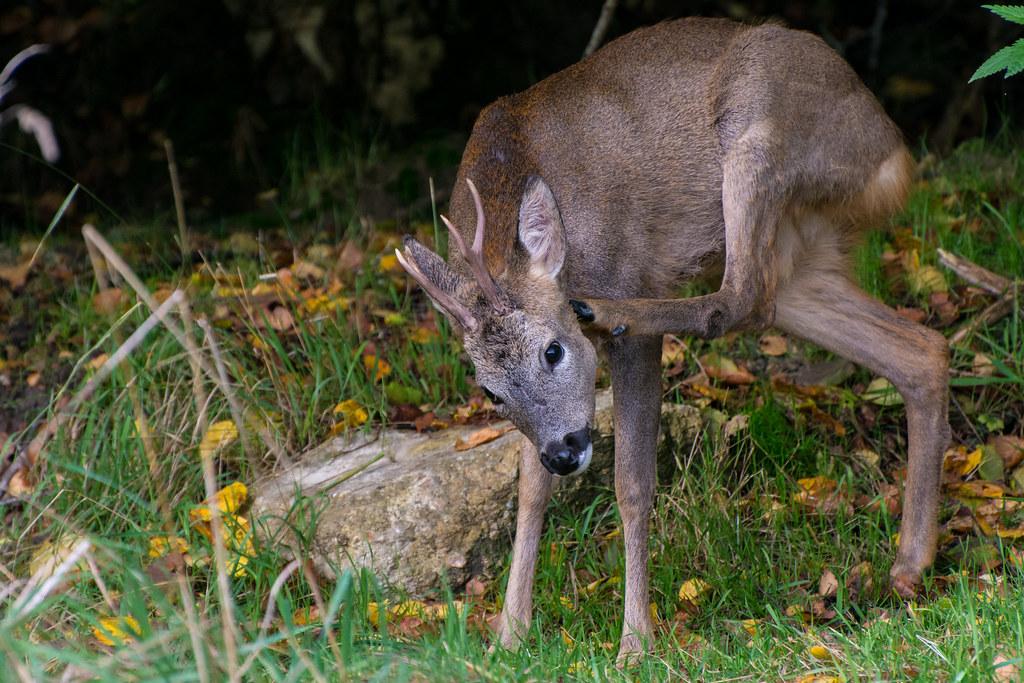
[(115, 631), (422, 335), (820, 652), (881, 392), (373, 613), (693, 590), (162, 545), (51, 554), (972, 462), (567, 639), (750, 626), (926, 279), (389, 264), (653, 609), (350, 414), (228, 500), (97, 362), (817, 678), (218, 435), (380, 367), (566, 602)]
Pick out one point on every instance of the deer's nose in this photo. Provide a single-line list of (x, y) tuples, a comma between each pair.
[(570, 456)]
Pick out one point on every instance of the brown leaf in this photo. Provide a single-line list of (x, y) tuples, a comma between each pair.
[(828, 585), (1006, 668), (912, 314), (725, 369), (280, 318), (773, 345), (1010, 448), (480, 437), (20, 484), (15, 275), (475, 587), (981, 489), (109, 301)]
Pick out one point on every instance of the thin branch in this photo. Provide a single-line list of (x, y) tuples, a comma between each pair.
[(179, 204), (601, 27), (972, 273)]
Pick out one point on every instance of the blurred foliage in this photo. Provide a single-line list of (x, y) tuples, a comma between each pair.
[(242, 87)]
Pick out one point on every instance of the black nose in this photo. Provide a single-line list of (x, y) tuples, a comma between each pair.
[(564, 458)]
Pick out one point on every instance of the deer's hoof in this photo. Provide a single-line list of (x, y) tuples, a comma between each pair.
[(905, 582), (584, 313)]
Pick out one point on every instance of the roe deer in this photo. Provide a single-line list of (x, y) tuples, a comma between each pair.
[(693, 148)]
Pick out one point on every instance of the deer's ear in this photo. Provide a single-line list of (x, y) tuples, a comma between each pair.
[(540, 229), (443, 285)]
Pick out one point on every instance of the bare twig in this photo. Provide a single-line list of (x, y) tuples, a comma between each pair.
[(601, 27), (972, 273), (993, 313), (179, 204)]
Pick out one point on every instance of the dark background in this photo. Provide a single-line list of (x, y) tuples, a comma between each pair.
[(255, 94)]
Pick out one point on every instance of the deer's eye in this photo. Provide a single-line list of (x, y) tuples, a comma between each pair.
[(490, 395), (554, 353)]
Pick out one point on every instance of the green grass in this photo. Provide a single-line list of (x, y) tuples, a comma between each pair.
[(726, 518)]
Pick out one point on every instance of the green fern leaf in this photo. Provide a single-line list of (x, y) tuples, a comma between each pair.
[(1014, 13), (1010, 58)]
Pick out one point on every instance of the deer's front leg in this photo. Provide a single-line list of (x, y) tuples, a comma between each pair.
[(636, 382), (534, 494)]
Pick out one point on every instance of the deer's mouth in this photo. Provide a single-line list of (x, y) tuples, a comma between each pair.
[(570, 456)]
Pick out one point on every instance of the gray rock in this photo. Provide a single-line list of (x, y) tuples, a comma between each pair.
[(413, 509)]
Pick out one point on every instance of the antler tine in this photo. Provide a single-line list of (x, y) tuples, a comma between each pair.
[(445, 300), (475, 254), (458, 238), (478, 236)]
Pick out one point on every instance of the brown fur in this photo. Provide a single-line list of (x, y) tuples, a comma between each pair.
[(694, 148)]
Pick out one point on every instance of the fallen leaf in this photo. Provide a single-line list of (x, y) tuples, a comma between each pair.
[(693, 590), (820, 652), (97, 362), (475, 587), (15, 275), (982, 366), (828, 585), (306, 270), (229, 500), (423, 335), (480, 437), (1006, 668), (389, 265), (880, 391), (916, 315), (115, 631), (218, 435), (773, 345), (725, 369), (162, 545), (378, 366), (817, 678), (1010, 449), (21, 483), (280, 318), (349, 414), (109, 301), (50, 554), (980, 489), (33, 379), (972, 462)]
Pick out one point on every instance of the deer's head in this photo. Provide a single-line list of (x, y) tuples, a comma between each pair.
[(532, 360)]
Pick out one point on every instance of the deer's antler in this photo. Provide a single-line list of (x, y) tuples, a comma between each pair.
[(475, 255)]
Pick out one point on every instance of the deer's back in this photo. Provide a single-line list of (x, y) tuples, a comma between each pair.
[(632, 142)]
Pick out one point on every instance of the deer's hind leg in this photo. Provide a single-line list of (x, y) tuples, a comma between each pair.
[(753, 202), (826, 308)]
